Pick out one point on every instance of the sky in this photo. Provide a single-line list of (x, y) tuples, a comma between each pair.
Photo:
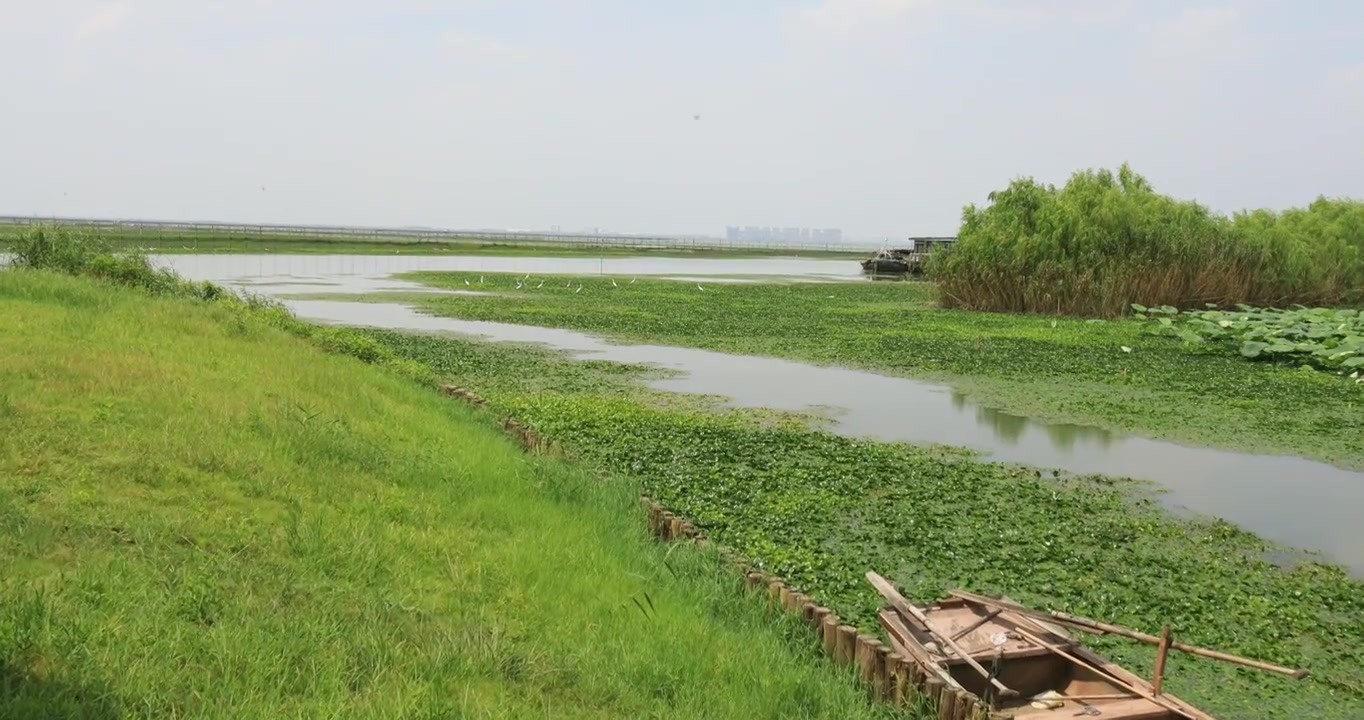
[(880, 117)]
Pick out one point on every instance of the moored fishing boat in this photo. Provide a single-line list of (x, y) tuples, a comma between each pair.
[(1000, 659)]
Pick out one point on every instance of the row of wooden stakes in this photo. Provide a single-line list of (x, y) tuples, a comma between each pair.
[(889, 675)]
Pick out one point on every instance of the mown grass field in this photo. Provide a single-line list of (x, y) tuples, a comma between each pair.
[(1055, 369), (203, 515), (820, 509)]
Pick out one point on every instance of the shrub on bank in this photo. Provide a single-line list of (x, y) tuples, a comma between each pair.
[(1106, 240)]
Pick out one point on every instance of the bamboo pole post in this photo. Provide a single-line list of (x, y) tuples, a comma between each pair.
[(846, 647), (1161, 653)]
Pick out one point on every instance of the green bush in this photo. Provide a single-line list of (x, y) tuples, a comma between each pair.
[(1107, 240), (76, 252)]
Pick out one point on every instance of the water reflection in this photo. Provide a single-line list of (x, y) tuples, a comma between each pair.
[(370, 273), (1010, 428)]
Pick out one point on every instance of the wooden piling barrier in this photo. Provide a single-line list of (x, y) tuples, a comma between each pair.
[(784, 598), (666, 530), (846, 648), (885, 681), (947, 703), (675, 528), (808, 612), (933, 691), (864, 654), (755, 580), (895, 679), (965, 705), (774, 589), (828, 628)]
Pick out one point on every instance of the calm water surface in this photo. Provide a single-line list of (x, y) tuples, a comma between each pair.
[(1293, 501)]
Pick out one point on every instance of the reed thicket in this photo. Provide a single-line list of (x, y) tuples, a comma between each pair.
[(1106, 240)]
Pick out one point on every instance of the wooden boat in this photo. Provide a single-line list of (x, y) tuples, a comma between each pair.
[(1017, 662), (893, 262)]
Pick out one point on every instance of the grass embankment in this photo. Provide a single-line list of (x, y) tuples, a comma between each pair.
[(820, 510), (1102, 242), (1054, 369), (206, 516), (173, 242)]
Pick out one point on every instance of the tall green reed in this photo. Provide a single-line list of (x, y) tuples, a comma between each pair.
[(1106, 240)]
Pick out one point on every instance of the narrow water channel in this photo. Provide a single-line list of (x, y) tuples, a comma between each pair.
[(1297, 502)]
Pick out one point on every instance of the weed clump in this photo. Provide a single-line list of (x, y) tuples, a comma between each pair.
[(1106, 240), (77, 252), (72, 251)]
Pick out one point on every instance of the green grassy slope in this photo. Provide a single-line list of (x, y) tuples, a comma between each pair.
[(202, 516)]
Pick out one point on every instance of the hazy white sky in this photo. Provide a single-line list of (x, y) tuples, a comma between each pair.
[(882, 117)]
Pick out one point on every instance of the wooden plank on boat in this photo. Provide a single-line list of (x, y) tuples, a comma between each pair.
[(903, 640), (1104, 667), (898, 602), (1100, 628)]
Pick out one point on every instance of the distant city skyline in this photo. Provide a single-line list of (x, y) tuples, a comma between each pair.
[(794, 235)]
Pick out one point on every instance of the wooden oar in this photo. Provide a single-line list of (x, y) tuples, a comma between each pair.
[(1100, 628), (898, 602)]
